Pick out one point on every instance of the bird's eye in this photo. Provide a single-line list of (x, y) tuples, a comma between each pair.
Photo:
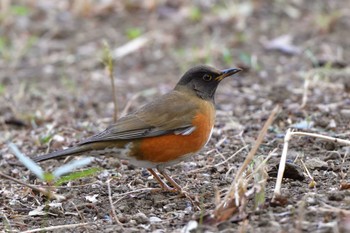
[(207, 77)]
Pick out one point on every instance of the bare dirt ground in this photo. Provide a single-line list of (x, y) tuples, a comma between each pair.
[(54, 92)]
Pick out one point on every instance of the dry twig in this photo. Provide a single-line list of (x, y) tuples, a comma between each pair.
[(288, 136), (59, 227), (46, 192), (108, 61), (111, 203), (233, 199)]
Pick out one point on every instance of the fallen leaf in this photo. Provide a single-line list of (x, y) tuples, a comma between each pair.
[(283, 44)]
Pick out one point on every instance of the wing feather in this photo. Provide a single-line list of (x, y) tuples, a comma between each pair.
[(154, 119)]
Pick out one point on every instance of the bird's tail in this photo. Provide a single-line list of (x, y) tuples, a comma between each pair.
[(77, 150)]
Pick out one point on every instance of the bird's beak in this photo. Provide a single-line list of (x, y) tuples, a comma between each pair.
[(227, 73)]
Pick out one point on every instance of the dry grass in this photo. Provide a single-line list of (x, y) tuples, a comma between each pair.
[(236, 197), (287, 138)]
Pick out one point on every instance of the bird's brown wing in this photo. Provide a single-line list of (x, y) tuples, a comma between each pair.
[(172, 114)]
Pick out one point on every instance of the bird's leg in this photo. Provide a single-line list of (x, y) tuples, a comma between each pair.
[(178, 188), (164, 186), (170, 180)]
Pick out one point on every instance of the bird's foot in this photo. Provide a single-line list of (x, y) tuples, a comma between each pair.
[(180, 192), (191, 198), (165, 188), (176, 188)]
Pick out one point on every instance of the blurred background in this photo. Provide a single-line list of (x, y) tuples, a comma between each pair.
[(53, 49)]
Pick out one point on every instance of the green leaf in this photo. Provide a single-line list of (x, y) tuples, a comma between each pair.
[(48, 177), (77, 175), (20, 10), (133, 33), (45, 139), (2, 89), (195, 14), (227, 57), (3, 44), (245, 58)]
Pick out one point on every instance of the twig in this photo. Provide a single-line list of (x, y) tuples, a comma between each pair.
[(108, 61), (261, 164), (30, 164), (288, 136), (47, 193), (132, 46), (6, 222), (219, 143), (282, 165), (131, 192), (56, 227), (76, 208), (343, 175), (306, 89), (214, 165), (233, 155), (327, 138), (111, 203), (328, 208), (307, 171), (233, 193), (243, 141), (253, 151)]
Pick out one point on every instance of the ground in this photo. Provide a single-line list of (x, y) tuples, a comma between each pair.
[(54, 91)]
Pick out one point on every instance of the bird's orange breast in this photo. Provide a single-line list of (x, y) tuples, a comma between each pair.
[(171, 147)]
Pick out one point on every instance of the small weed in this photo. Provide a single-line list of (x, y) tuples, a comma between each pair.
[(68, 83), (19, 10), (250, 61), (260, 179), (227, 57), (195, 14), (58, 175), (108, 62), (77, 175), (45, 139), (5, 47), (133, 33), (2, 89), (325, 22)]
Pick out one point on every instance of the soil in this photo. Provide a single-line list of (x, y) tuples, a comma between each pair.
[(54, 92)]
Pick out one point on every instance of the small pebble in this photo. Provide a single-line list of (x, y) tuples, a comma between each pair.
[(122, 218), (169, 206), (332, 155), (336, 196), (330, 146), (8, 156), (154, 219), (332, 124), (311, 201), (190, 226), (58, 138), (316, 163), (133, 222), (141, 218), (138, 181), (107, 218), (345, 113)]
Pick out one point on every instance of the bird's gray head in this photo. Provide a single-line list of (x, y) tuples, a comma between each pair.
[(204, 80)]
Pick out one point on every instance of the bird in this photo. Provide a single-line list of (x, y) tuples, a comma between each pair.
[(166, 131)]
